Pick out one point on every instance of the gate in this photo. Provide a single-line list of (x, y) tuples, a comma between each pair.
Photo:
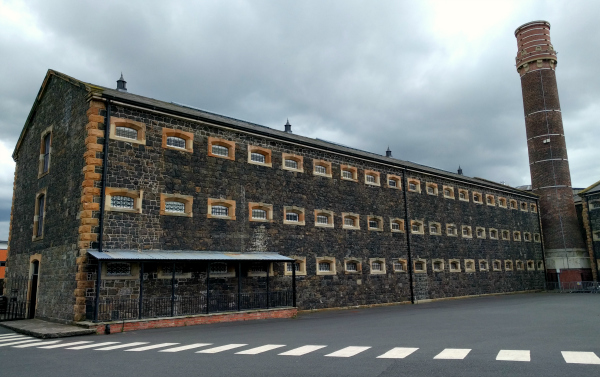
[(15, 302)]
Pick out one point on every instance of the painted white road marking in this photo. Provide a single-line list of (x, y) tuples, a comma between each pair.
[(151, 347), (453, 354), (261, 349), (188, 347), (514, 355), (37, 344), (120, 346), (348, 352), (302, 350), (66, 344), (19, 341), (5, 335), (14, 337), (222, 348), (580, 357), (91, 345), (397, 353)]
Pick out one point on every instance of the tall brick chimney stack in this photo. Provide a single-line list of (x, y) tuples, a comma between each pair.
[(548, 162)]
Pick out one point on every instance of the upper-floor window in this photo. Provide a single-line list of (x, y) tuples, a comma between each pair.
[(536, 237), (397, 225), (347, 174), (350, 221), (477, 198), (463, 195), (220, 150), (451, 230), (292, 216), (46, 152), (493, 234), (175, 142), (502, 202), (118, 201), (513, 204), (178, 139), (41, 202), (173, 206), (534, 207), (259, 214), (489, 199), (448, 192), (219, 210), (435, 228), (292, 164), (176, 205), (126, 132), (320, 169), (130, 131), (370, 178), (416, 227), (374, 223), (432, 188), (480, 232), (466, 231), (523, 206), (257, 157), (505, 235), (394, 181), (324, 218)]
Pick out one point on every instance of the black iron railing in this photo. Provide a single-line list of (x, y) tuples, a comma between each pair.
[(115, 309), (15, 303), (574, 287)]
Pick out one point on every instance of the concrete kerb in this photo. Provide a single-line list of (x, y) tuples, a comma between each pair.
[(44, 329)]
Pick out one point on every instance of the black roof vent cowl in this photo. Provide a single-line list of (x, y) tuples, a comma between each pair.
[(121, 84), (459, 170), (288, 127), (388, 153)]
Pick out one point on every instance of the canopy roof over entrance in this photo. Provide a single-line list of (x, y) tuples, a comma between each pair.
[(186, 255)]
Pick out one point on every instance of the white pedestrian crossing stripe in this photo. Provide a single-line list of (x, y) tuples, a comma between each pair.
[(514, 355), (348, 352), (261, 349), (19, 341), (453, 354), (397, 353), (301, 350), (91, 345), (580, 357), (9, 335), (151, 347), (126, 345), (65, 344), (39, 343), (222, 348), (188, 347), (14, 337)]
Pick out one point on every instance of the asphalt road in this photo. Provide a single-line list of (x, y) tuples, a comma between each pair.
[(474, 331)]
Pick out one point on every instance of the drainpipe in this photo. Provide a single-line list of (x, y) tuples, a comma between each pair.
[(407, 230)]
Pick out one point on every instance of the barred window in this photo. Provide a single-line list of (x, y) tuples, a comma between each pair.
[(524, 206), (347, 174), (320, 169), (493, 233), (349, 221), (451, 230), (324, 266), (373, 224), (177, 207), (118, 201), (322, 219), (505, 235), (447, 192), (392, 183), (434, 229), (218, 268), (257, 268), (259, 214), (527, 237), (257, 157), (483, 265), (126, 132), (292, 164), (540, 265), (352, 266), (395, 225), (420, 266), (398, 266), (292, 216), (220, 211), (177, 142), (371, 178), (220, 150), (430, 190), (462, 195), (288, 266), (496, 265), (118, 269), (437, 266), (376, 266), (412, 186)]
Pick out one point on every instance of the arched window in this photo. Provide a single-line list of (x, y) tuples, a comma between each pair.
[(118, 201), (292, 217), (220, 210), (220, 150), (352, 266), (173, 206), (320, 169), (397, 225), (324, 218), (126, 132), (176, 142), (41, 203), (257, 157), (259, 214), (292, 164)]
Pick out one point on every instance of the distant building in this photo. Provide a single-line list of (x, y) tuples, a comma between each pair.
[(3, 252)]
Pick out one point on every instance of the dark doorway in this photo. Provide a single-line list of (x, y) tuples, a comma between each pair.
[(34, 283)]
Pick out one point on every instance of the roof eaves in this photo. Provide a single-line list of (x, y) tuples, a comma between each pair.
[(590, 189)]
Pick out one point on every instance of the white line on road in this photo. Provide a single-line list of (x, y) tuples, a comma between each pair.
[(66, 344), (453, 354), (14, 337), (188, 347), (514, 355), (19, 341), (222, 348), (38, 343), (151, 347), (91, 345), (120, 346), (580, 357), (397, 353), (348, 352), (5, 335), (261, 349), (301, 350)]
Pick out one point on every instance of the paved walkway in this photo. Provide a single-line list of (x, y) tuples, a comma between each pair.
[(44, 329)]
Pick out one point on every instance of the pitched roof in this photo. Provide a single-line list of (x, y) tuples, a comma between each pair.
[(591, 189)]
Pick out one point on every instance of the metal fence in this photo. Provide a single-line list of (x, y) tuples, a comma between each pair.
[(15, 304), (115, 309), (573, 287)]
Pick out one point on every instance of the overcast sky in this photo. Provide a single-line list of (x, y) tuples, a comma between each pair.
[(434, 80)]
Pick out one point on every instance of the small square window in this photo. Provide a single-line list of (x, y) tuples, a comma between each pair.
[(432, 188), (466, 231), (414, 185), (259, 156), (463, 195), (349, 173), (326, 266), (494, 234), (292, 162), (451, 230), (350, 221), (477, 198), (519, 265), (397, 225), (483, 265), (299, 264), (400, 265), (527, 237), (324, 218), (540, 265), (505, 235), (435, 229), (416, 227), (513, 204), (322, 168), (394, 181), (469, 265), (372, 178), (448, 192), (530, 265), (517, 236), (480, 232), (420, 266), (353, 266), (533, 208), (454, 265), (524, 207), (377, 266), (260, 212), (497, 265), (508, 265), (437, 265)]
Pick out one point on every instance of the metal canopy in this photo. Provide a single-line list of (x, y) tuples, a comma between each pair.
[(186, 255)]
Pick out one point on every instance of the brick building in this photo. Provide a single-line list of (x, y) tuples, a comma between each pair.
[(3, 253)]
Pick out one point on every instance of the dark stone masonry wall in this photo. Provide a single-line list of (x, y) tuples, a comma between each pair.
[(63, 107), (157, 170)]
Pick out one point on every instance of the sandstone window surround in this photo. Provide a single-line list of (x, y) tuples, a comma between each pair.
[(513, 204), (45, 152), (372, 178), (259, 156), (524, 207), (350, 221), (352, 266), (516, 235), (596, 235), (469, 265), (519, 265), (128, 131), (536, 237), (435, 228), (172, 139), (466, 231), (490, 200), (477, 198), (530, 265), (326, 266), (508, 265), (120, 271), (348, 173), (165, 271), (377, 266), (502, 202), (451, 230), (221, 148), (540, 265), (397, 225), (292, 162), (463, 195), (260, 212), (322, 168), (173, 204), (595, 204), (437, 265), (505, 235), (480, 232), (394, 182), (483, 265), (116, 200), (420, 266), (417, 227), (375, 223), (39, 216), (323, 218), (293, 215), (222, 270), (493, 233), (448, 192), (221, 209), (414, 185), (454, 265), (497, 265), (533, 207), (431, 188), (400, 265), (527, 237), (300, 265), (259, 269)]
